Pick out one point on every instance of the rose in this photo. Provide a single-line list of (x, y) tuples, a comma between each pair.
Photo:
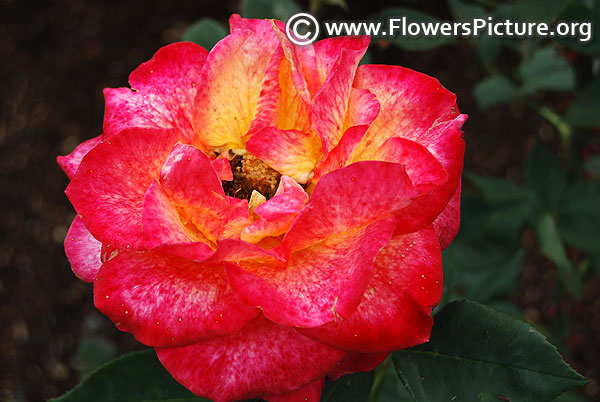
[(266, 215)]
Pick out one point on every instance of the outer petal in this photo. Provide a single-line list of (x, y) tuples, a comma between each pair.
[(308, 393), (291, 153), (165, 87), (293, 111), (165, 232), (260, 27), (330, 104), (194, 187), (262, 358), (167, 301), (317, 61), (277, 214), (421, 166), (328, 51), (268, 103), (350, 198), (355, 362), (411, 103), (237, 250), (297, 73), (395, 312), (83, 251), (319, 284), (108, 189), (341, 155), (232, 77), (448, 222), (268, 107), (284, 97), (363, 108), (160, 220), (450, 152), (70, 163)]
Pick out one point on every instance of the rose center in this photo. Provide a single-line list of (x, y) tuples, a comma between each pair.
[(250, 173)]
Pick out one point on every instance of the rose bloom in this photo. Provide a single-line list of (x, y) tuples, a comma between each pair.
[(267, 215)]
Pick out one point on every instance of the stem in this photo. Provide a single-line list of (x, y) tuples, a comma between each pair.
[(565, 131)]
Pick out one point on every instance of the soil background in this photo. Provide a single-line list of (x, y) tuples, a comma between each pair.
[(56, 57)]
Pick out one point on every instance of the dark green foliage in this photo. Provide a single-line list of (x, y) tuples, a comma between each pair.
[(478, 354)]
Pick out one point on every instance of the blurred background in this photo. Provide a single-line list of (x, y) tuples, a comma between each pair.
[(530, 237)]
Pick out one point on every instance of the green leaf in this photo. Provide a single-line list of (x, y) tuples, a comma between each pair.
[(466, 12), (539, 11), (494, 90), (136, 377), (592, 165), (420, 42), (315, 5), (579, 217), (583, 112), (498, 191), (478, 354), (545, 175), (581, 12), (205, 32), (92, 353), (351, 387), (546, 69), (596, 264), (487, 237), (484, 260), (551, 244), (391, 389), (570, 397), (494, 281), (488, 47), (486, 284), (506, 307), (338, 3), (491, 225), (552, 247), (279, 9)]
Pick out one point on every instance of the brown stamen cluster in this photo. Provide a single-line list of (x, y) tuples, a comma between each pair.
[(250, 173)]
